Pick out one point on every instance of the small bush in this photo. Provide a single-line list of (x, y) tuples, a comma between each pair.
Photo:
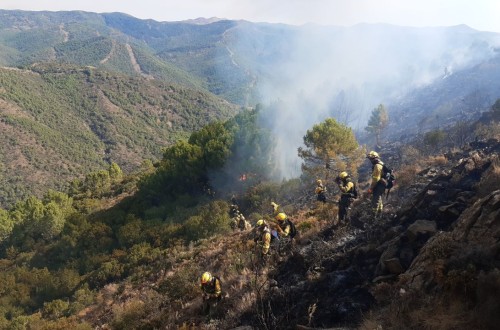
[(437, 160), (406, 174), (304, 226), (485, 132), (183, 284), (441, 246), (129, 316), (409, 154), (55, 309)]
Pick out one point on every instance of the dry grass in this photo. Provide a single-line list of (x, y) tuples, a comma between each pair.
[(485, 132), (437, 160), (325, 211), (406, 174), (490, 181), (409, 154)]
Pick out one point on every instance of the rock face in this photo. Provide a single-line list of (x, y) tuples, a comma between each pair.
[(444, 239)]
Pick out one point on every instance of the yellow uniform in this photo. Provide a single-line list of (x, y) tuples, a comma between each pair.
[(378, 187)]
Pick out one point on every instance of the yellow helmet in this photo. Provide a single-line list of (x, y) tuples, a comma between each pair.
[(260, 223), (206, 277), (280, 216), (343, 175), (318, 181), (372, 155)]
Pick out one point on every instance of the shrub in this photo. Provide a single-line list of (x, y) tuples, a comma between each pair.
[(437, 160), (183, 284), (485, 132), (433, 140), (409, 154), (211, 219), (109, 271), (55, 309), (305, 226), (441, 246), (406, 174), (129, 316), (383, 292), (490, 181)]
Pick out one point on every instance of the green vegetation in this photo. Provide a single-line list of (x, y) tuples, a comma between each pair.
[(57, 251), (329, 142), (195, 56), (60, 254), (62, 121)]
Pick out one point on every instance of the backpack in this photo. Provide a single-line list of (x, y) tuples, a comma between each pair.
[(293, 229), (354, 192), (388, 176)]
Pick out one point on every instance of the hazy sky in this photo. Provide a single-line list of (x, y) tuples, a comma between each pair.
[(482, 15)]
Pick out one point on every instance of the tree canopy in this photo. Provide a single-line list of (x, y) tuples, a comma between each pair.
[(328, 142)]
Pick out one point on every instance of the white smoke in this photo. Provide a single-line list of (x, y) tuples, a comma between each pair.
[(347, 72)]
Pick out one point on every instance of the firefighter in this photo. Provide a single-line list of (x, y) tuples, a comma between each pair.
[(286, 231), (283, 227), (263, 240), (347, 194), (211, 292), (378, 184), (275, 209), (320, 191)]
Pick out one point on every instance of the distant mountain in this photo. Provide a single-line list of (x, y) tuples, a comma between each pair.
[(247, 62), (424, 75), (59, 122), (203, 21), (456, 96)]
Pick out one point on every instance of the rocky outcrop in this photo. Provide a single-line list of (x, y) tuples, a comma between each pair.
[(441, 238)]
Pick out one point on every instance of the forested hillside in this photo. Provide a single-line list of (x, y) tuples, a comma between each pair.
[(125, 251), (246, 62), (126, 145), (60, 122)]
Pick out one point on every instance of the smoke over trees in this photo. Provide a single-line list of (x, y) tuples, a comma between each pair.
[(378, 122)]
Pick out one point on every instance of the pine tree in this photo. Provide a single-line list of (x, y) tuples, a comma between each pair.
[(329, 142), (378, 122)]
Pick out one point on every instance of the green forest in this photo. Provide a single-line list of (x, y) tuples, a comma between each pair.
[(57, 251), (64, 121)]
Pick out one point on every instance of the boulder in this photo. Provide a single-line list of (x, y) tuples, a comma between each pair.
[(421, 228), (393, 266)]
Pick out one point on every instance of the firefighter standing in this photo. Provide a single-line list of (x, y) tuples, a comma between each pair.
[(378, 184), (346, 187), (263, 240)]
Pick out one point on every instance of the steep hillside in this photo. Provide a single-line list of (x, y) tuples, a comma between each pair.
[(457, 97), (437, 247), (61, 122), (127, 251)]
